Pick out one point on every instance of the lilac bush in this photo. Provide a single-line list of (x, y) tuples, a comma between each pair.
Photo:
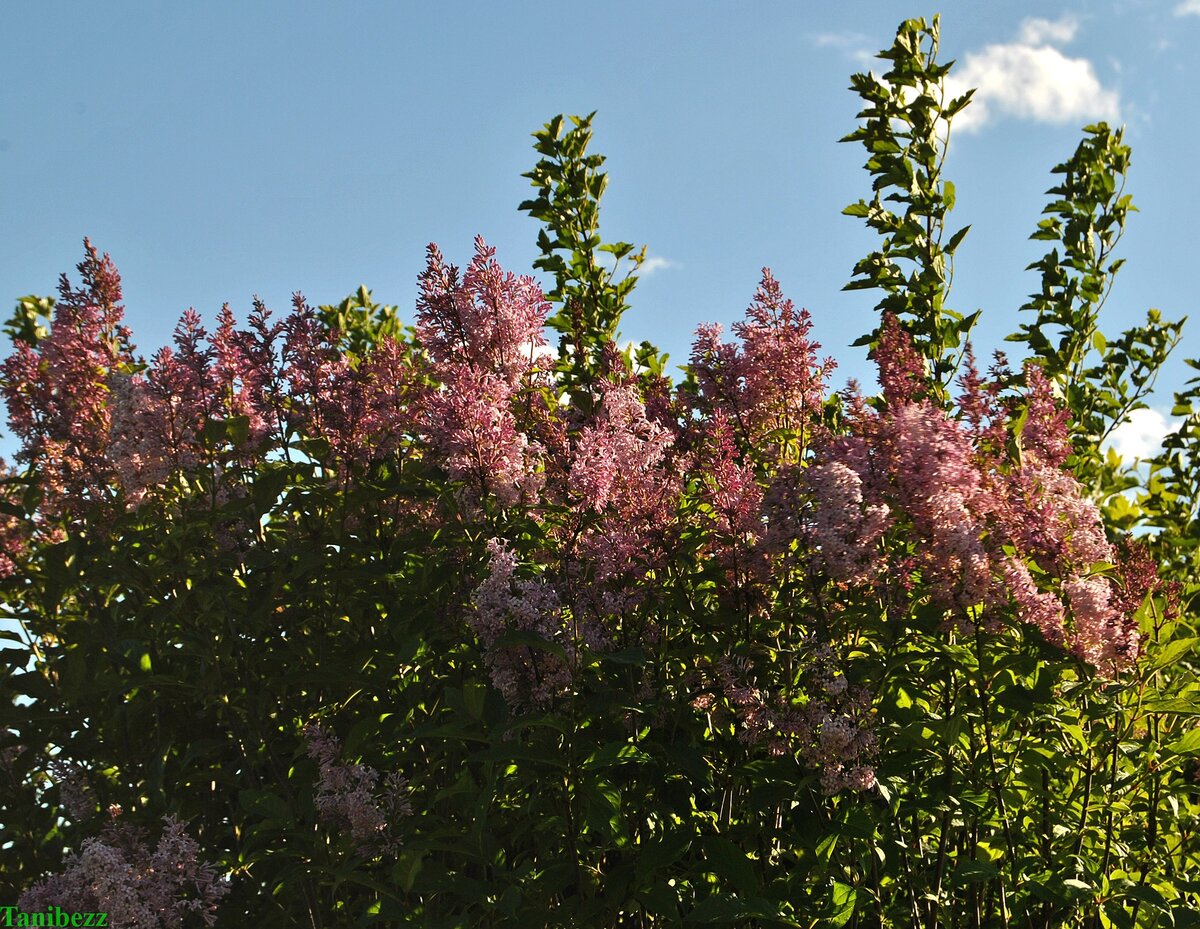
[(426, 625)]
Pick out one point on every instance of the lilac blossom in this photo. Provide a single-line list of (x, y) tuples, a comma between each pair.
[(138, 888), (349, 795), (503, 603)]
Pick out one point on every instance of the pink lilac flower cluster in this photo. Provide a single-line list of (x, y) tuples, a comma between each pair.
[(832, 729), (835, 727), (483, 334), (977, 519), (349, 795), (773, 381), (75, 794), (930, 459), (117, 873), (620, 471), (490, 320), (525, 675), (14, 536), (751, 705), (158, 417), (93, 419), (969, 507), (360, 410), (842, 531), (57, 391), (732, 491)]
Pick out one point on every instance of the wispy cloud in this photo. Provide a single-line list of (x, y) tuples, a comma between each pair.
[(855, 45), (1030, 78), (653, 264), (1038, 31), (844, 39), (1188, 8), (1142, 436), (530, 350)]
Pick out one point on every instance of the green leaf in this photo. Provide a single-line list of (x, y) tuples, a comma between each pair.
[(614, 753), (719, 907), (1172, 651), (731, 863), (265, 804), (970, 871), (1179, 706), (839, 905), (406, 869), (1188, 744), (661, 851)]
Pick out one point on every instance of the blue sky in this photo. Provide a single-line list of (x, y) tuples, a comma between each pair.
[(222, 150)]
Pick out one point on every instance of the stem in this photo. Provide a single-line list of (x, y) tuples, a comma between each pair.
[(912, 890), (987, 735), (1151, 820)]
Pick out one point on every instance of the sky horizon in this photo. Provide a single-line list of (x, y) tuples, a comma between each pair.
[(227, 152)]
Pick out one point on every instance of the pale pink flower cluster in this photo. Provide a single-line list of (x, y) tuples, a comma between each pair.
[(1100, 635), (158, 418), (968, 505), (732, 490), (833, 731), (755, 715), (525, 675), (75, 794), (348, 796), (773, 380), (937, 483), (92, 419), (483, 334), (903, 375), (490, 320), (1045, 433), (618, 452), (619, 469), (14, 539), (835, 727), (473, 429), (139, 889), (360, 409), (140, 461), (843, 530), (1037, 607), (57, 391), (1055, 521)]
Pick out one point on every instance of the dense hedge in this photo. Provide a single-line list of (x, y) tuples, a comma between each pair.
[(333, 621)]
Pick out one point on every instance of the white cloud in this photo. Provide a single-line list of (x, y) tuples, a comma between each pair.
[(1037, 31), (855, 45), (1188, 8), (530, 350), (1031, 79), (1142, 436), (654, 263), (844, 39)]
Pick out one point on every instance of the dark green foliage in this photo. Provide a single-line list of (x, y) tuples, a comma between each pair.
[(907, 161), (1016, 788), (590, 295)]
